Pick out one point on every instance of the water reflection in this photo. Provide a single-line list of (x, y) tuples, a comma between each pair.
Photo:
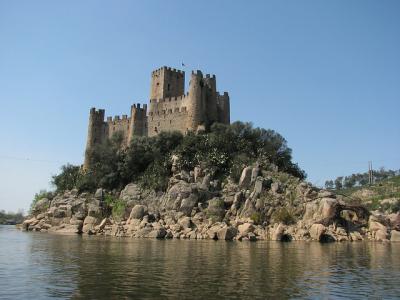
[(34, 265)]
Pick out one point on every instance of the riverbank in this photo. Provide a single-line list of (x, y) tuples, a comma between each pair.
[(263, 205)]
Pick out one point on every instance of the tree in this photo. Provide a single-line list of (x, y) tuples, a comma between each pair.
[(329, 184), (338, 183), (67, 179)]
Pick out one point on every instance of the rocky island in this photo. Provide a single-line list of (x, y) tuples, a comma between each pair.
[(264, 205), (181, 170)]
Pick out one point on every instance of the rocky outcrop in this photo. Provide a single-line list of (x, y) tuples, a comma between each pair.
[(263, 205)]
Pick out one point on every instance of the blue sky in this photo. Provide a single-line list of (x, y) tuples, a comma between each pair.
[(324, 74)]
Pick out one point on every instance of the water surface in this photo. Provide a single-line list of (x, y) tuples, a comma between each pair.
[(42, 265)]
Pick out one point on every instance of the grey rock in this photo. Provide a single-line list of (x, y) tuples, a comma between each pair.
[(41, 206), (276, 188), (188, 204), (138, 212), (316, 231), (246, 228), (254, 173), (158, 233), (395, 236), (245, 178), (99, 194), (227, 233), (185, 222)]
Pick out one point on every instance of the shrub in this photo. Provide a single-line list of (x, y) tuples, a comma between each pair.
[(68, 178), (116, 206), (283, 215), (216, 209), (39, 196), (224, 151), (257, 218)]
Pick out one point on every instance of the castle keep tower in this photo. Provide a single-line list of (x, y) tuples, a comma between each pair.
[(166, 83), (96, 129), (170, 109)]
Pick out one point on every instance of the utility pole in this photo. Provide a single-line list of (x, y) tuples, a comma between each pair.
[(370, 173)]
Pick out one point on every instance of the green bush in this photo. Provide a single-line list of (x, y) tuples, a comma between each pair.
[(257, 218), (215, 210), (116, 206), (39, 196), (223, 151), (283, 215), (68, 178)]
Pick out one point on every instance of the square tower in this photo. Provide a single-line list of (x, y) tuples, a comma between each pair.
[(167, 82)]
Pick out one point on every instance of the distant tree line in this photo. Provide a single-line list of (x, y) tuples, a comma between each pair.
[(223, 151), (11, 218), (360, 179)]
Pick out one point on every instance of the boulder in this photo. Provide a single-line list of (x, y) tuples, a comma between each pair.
[(70, 229), (197, 172), (355, 236), (254, 173), (40, 216), (89, 224), (205, 184), (188, 204), (227, 233), (278, 233), (30, 222), (99, 194), (276, 188), (381, 235), (103, 223), (138, 212), (41, 205), (395, 221), (395, 236), (212, 232), (94, 210), (328, 207), (131, 193), (316, 231), (158, 233), (252, 237), (185, 222), (59, 213), (375, 226), (245, 228), (143, 232), (258, 186), (245, 178)]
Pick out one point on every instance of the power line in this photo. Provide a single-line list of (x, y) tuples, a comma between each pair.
[(6, 157)]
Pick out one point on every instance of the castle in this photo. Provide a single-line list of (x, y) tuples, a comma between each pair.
[(170, 109)]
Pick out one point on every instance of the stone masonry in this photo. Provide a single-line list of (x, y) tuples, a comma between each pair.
[(170, 109)]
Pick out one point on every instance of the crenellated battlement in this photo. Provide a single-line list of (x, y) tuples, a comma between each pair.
[(159, 71), (170, 109)]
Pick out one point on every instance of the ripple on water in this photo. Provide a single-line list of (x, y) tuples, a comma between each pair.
[(36, 265)]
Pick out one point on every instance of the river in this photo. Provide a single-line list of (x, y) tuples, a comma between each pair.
[(41, 265)]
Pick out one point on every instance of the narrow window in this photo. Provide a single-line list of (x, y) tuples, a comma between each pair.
[(168, 87)]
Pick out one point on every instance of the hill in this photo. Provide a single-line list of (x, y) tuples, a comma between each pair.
[(383, 196)]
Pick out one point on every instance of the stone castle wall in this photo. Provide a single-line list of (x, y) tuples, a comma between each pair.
[(170, 109)]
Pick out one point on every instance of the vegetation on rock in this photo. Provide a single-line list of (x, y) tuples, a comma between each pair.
[(223, 151)]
